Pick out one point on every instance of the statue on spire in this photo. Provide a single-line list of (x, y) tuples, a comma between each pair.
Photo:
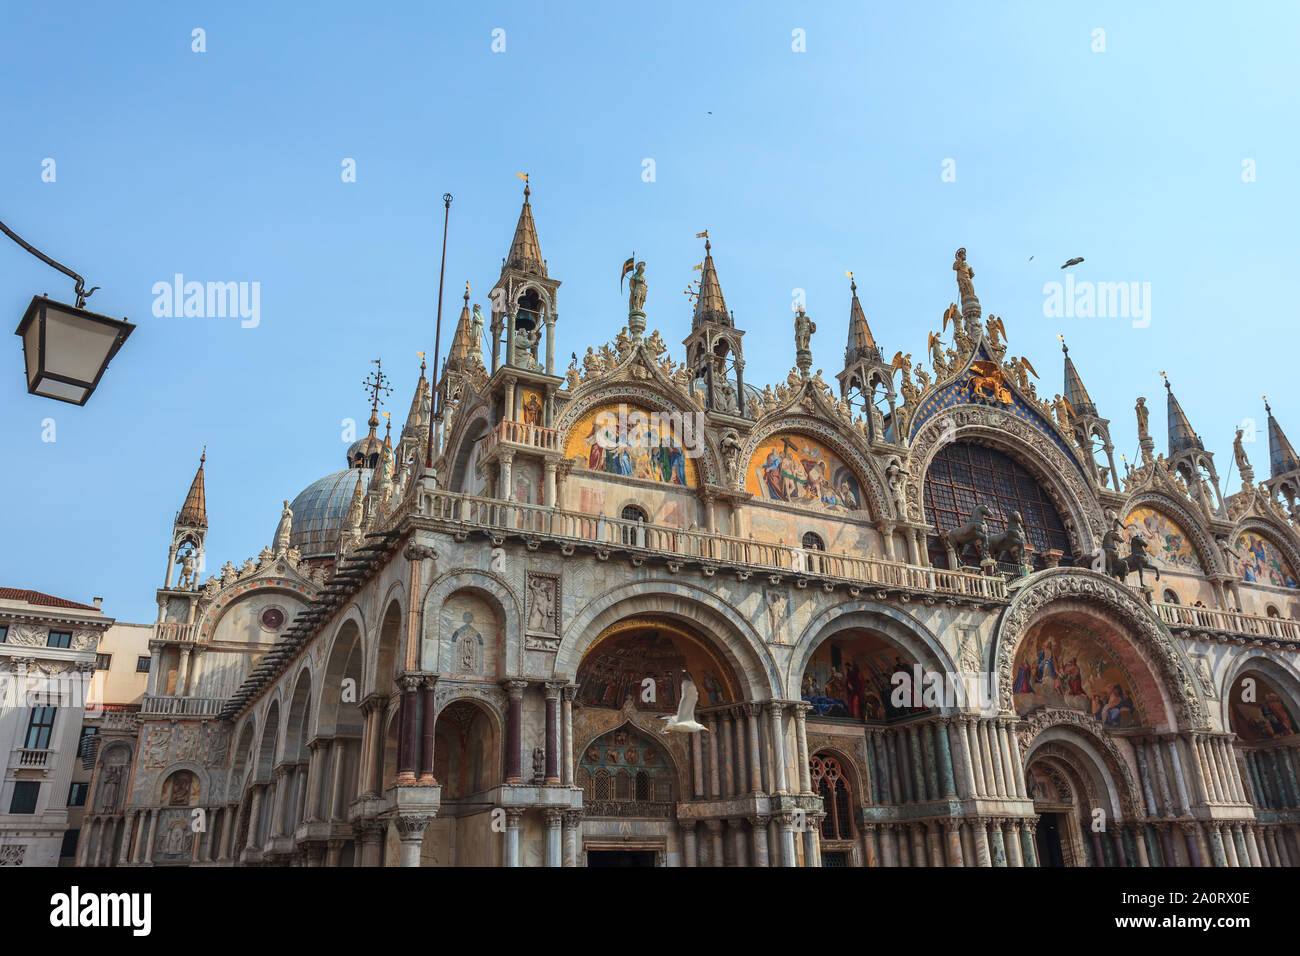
[(964, 274), (804, 328)]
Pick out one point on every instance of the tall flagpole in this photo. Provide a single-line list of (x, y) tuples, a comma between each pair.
[(435, 402)]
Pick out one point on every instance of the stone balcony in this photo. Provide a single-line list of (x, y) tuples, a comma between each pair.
[(34, 759), (170, 706), (710, 551), (174, 631), (1212, 620), (521, 435)]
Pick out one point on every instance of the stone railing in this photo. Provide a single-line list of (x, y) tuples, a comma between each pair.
[(34, 758), (519, 433), (180, 706), (1211, 619), (174, 631), (702, 547)]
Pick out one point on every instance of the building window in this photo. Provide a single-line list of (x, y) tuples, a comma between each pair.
[(24, 798), (142, 665), (812, 562), (1171, 597), (963, 475), (1271, 611), (634, 535), (59, 639), (69, 848), (102, 661), (39, 728), (77, 794), (4, 633), (829, 783), (88, 746)]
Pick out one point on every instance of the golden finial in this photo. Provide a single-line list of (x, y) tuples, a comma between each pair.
[(1166, 378), (698, 267), (702, 235)]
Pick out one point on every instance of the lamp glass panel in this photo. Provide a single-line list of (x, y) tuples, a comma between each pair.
[(49, 388), (32, 349), (76, 347)]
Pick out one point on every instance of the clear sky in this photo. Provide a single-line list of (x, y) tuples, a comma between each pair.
[(226, 166)]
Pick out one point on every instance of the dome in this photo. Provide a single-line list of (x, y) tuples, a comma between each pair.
[(366, 450), (319, 510)]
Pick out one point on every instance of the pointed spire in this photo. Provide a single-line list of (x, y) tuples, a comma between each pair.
[(709, 304), (1281, 455), (1075, 393), (194, 513), (415, 418), (463, 344), (861, 344), (525, 250), (1181, 434)]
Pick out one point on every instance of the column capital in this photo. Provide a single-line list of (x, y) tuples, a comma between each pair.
[(714, 825), (410, 682), (569, 691), (513, 816), (410, 826), (516, 688), (553, 817), (553, 689)]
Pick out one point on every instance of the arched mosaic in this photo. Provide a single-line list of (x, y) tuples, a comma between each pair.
[(1168, 542), (1260, 561)]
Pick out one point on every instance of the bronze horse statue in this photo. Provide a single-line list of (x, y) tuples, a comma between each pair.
[(1010, 544), (974, 531), (1136, 560)]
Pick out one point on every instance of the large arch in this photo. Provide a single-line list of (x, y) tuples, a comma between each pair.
[(296, 733), (343, 662), (897, 627), (485, 584), (735, 638), (1165, 674), (653, 395), (1271, 532), (824, 429), (1058, 473), (1186, 520), (1281, 672)]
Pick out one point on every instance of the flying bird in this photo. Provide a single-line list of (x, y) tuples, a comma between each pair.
[(1031, 258), (684, 722), (1072, 262)]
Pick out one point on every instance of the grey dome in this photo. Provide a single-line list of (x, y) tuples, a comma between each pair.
[(320, 508)]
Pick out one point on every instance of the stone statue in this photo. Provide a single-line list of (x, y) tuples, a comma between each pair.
[(1239, 455), (637, 289), (804, 328), (1143, 413), (186, 561), (731, 449), (526, 348), (591, 363), (573, 376), (280, 543), (964, 274), (539, 764)]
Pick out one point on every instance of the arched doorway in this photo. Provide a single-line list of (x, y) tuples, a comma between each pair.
[(631, 773), (468, 766)]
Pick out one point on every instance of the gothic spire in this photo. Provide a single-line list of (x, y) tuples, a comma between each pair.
[(194, 513), (525, 250), (1281, 455), (463, 345), (415, 418), (1181, 434), (1075, 393), (709, 304), (861, 344)]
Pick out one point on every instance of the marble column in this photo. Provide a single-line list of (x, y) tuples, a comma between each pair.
[(406, 737), (1011, 838), (788, 857), (1028, 849), (977, 760), (929, 767), (752, 716), (513, 816), (716, 855), (955, 855), (553, 742), (870, 854), (689, 850), (514, 732), (801, 731), (572, 836), (918, 769), (566, 734), (983, 855), (997, 845), (554, 844), (697, 767), (778, 754), (427, 778), (758, 828), (715, 777), (1008, 771)]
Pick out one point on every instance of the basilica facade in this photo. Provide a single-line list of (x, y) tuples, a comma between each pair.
[(930, 619)]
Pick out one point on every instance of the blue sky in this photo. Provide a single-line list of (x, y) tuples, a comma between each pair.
[(225, 166)]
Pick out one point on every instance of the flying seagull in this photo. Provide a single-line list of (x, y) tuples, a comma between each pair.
[(684, 722), (1072, 262)]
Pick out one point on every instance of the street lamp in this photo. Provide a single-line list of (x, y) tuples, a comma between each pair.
[(66, 347)]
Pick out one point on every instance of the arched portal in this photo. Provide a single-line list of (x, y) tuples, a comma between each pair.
[(468, 759), (851, 676)]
